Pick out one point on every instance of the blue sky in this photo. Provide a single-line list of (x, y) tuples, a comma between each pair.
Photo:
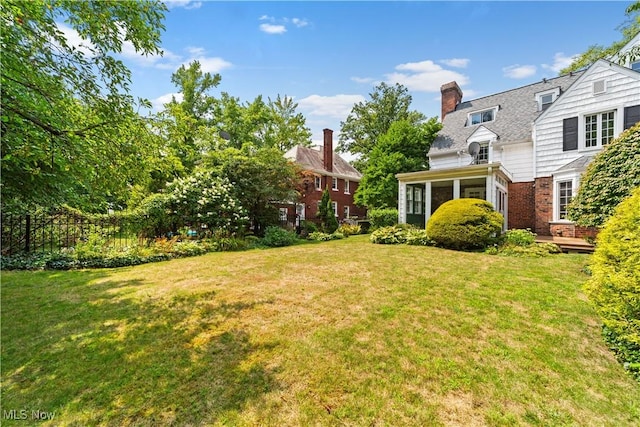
[(330, 55)]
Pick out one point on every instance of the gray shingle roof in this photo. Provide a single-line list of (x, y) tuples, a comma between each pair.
[(313, 159), (578, 164), (517, 111)]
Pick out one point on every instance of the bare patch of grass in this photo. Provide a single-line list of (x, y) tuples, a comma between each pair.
[(339, 333)]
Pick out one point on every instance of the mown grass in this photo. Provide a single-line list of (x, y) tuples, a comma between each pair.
[(338, 333)]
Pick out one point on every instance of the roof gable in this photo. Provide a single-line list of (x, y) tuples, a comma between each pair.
[(313, 160), (595, 67), (517, 110)]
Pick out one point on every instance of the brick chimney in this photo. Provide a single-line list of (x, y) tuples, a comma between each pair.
[(451, 97), (328, 150)]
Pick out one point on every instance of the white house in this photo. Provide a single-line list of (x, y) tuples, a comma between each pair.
[(524, 149)]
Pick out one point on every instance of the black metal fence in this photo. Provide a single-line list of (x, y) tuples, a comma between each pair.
[(49, 232)]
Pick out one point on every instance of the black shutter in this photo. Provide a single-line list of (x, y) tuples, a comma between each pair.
[(631, 116), (570, 134)]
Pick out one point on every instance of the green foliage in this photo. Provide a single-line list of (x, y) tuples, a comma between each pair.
[(418, 237), (614, 287), (153, 214), (534, 250), (325, 237), (203, 198), (403, 148), (389, 235), (609, 178), (259, 176), (349, 229), (69, 131), (464, 224), (516, 237), (326, 213), (371, 119), (382, 217), (278, 237)]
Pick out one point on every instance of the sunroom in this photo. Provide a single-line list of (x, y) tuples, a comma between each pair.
[(421, 193)]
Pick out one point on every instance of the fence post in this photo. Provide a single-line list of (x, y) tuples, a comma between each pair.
[(27, 240)]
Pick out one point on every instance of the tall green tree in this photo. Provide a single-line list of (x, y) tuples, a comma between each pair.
[(66, 111), (188, 123), (629, 29), (403, 148), (371, 119), (260, 177), (326, 214), (287, 128)]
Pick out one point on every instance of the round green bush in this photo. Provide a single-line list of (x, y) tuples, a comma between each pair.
[(614, 287), (463, 224)]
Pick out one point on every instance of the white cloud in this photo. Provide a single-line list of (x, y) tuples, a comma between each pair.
[(158, 103), (187, 4), (560, 61), (266, 18), (212, 65), (300, 22), (425, 76), (363, 80), (273, 29), (337, 106), (455, 62), (518, 71)]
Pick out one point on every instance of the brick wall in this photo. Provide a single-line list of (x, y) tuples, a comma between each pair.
[(522, 205), (543, 205), (312, 198), (571, 230)]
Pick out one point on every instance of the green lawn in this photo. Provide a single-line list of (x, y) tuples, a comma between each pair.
[(338, 333)]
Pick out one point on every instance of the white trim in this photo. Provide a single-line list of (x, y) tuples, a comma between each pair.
[(484, 110), (555, 93)]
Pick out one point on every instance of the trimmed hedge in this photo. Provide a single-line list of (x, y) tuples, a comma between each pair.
[(382, 217), (464, 224), (614, 288)]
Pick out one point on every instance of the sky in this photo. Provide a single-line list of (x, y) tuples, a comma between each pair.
[(330, 55)]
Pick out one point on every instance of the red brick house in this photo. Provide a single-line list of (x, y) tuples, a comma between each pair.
[(325, 169), (524, 149)]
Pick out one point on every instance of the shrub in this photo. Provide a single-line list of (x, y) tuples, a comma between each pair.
[(350, 229), (614, 287), (383, 217), (519, 237), (278, 237), (464, 224), (418, 237), (325, 237), (392, 235)]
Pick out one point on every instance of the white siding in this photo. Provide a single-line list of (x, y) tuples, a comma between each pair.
[(622, 90), (451, 161), (517, 159)]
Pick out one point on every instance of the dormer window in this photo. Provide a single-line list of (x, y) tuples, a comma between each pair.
[(545, 99), (481, 117), (635, 66)]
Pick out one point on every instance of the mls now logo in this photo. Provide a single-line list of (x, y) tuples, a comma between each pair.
[(23, 414)]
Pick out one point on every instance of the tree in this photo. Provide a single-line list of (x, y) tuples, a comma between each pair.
[(371, 119), (187, 124), (260, 177), (609, 178), (66, 111), (326, 213), (629, 30), (403, 148), (286, 128)]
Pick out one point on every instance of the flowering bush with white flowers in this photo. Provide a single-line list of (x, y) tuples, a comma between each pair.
[(205, 199)]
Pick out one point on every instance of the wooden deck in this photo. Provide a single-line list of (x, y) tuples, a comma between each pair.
[(568, 244)]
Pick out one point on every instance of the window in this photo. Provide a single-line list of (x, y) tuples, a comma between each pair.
[(635, 66), (283, 214), (346, 186), (481, 117), (414, 200), (598, 129), (546, 101), (565, 192), (483, 154), (334, 183), (334, 205), (346, 212), (318, 183), (409, 200)]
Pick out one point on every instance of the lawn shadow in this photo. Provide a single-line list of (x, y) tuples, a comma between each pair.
[(95, 356)]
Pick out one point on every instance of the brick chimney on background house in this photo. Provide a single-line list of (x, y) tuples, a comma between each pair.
[(451, 97), (328, 150)]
